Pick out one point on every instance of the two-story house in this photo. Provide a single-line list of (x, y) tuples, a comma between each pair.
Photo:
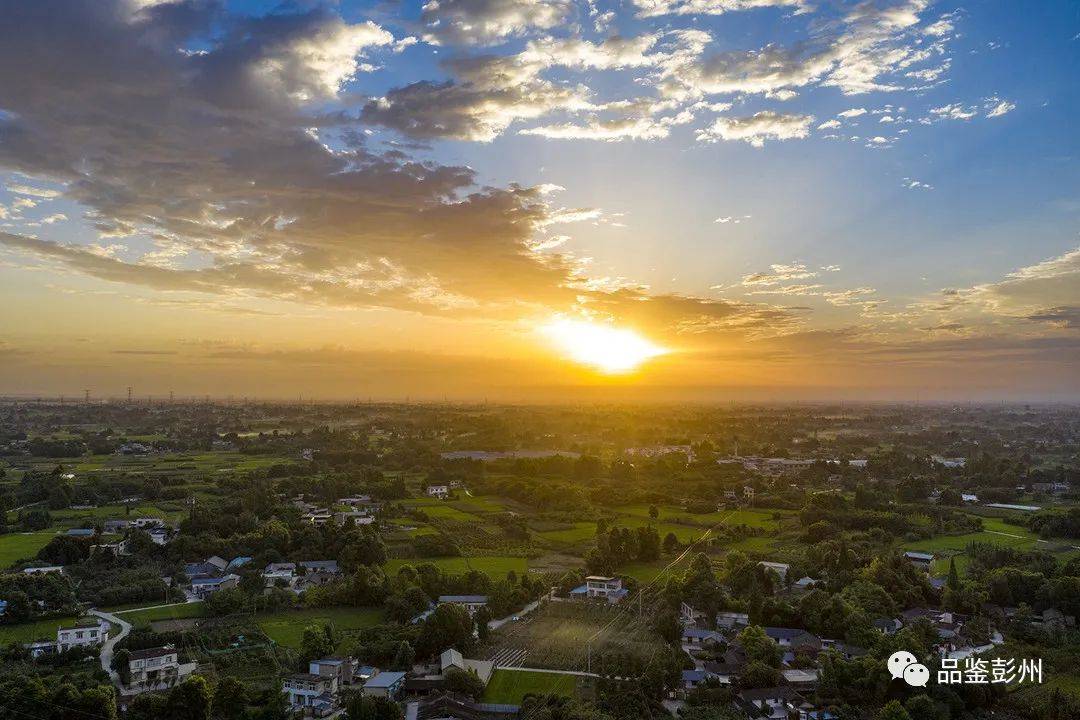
[(157, 669), (83, 634), (311, 693)]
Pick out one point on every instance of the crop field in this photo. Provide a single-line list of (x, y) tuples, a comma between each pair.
[(287, 627), (557, 635), (496, 566), (508, 687), (753, 518), (36, 630), (22, 546), (178, 611)]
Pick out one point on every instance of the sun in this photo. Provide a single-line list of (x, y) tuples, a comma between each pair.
[(609, 349)]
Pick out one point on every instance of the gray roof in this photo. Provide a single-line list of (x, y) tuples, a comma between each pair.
[(385, 680)]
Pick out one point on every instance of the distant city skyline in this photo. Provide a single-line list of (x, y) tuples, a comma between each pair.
[(541, 200)]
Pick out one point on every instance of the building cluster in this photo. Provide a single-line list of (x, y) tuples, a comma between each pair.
[(319, 692), (214, 574)]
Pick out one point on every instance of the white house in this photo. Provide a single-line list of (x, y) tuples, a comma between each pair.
[(439, 491), (452, 658), (157, 669), (84, 634), (44, 570), (311, 692)]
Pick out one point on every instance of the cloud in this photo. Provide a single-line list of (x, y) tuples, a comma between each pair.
[(954, 111), (488, 22), (778, 273), (38, 192), (996, 107), (913, 184), (488, 95), (653, 8), (829, 125), (756, 128)]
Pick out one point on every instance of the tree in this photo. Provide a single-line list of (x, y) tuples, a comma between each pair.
[(667, 625), (403, 656), (190, 700), (120, 663), (481, 619), (361, 707), (893, 710), (464, 682), (230, 698), (316, 642), (449, 626), (760, 647), (953, 583), (758, 675), (654, 512), (671, 543)]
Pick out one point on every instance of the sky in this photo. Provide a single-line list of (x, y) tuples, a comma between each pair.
[(541, 200)]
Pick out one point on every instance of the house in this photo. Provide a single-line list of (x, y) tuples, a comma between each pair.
[(280, 574), (699, 637), (690, 615), (209, 567), (722, 673), (81, 532), (920, 560), (732, 620), (236, 563), (356, 501), (317, 572), (203, 587), (385, 684), (693, 678), (160, 535), (357, 517), (40, 647), (116, 548), (800, 679), (3, 607), (44, 570), (774, 703), (341, 668), (452, 659), (472, 603), (780, 569), (793, 638), (83, 634), (115, 527), (600, 586), (311, 693), (157, 669), (145, 523), (438, 491), (318, 516), (969, 498), (888, 626)]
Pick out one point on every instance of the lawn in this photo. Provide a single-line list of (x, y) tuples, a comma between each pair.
[(287, 627), (752, 518), (178, 611), (37, 630), (496, 566), (22, 546), (508, 687), (959, 543)]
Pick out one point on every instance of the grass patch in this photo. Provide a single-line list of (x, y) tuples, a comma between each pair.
[(22, 546), (287, 627), (496, 566), (509, 687), (179, 611), (36, 630)]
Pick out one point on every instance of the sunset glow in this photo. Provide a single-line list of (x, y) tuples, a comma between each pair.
[(608, 349)]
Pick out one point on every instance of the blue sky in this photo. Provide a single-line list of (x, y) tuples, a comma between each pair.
[(724, 176)]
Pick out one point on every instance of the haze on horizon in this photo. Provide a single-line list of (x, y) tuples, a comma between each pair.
[(541, 200)]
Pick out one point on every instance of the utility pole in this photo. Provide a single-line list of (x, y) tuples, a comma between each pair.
[(86, 396), (129, 394)]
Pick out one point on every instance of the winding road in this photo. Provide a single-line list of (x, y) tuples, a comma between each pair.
[(107, 648)]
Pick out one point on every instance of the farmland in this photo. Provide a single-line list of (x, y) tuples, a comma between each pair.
[(509, 687), (287, 627), (495, 566), (22, 546)]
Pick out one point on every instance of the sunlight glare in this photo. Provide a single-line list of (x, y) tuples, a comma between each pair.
[(609, 349)]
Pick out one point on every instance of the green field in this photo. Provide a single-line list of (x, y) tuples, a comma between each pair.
[(496, 566), (22, 546), (287, 627), (670, 513), (508, 687), (141, 618), (37, 630)]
